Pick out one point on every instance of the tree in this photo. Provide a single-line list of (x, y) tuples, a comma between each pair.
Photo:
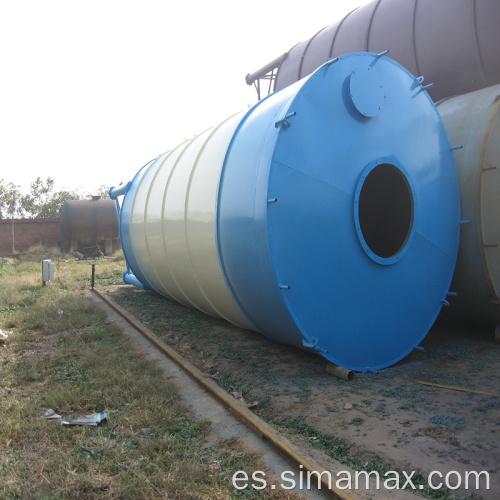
[(42, 202), (10, 199), (103, 191)]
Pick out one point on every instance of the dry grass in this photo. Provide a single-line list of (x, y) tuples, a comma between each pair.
[(63, 354), (38, 253)]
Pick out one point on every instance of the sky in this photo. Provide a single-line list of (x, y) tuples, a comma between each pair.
[(92, 90)]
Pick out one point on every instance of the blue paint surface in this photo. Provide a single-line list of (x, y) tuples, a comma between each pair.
[(299, 266)]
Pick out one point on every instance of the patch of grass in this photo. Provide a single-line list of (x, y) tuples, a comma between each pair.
[(4, 264), (407, 406), (492, 403), (304, 390), (63, 354), (454, 380), (453, 441), (400, 392), (163, 314), (119, 257), (450, 422), (37, 253), (8, 310), (264, 402), (227, 381), (357, 421)]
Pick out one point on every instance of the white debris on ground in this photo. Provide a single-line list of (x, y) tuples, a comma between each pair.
[(3, 337), (51, 415)]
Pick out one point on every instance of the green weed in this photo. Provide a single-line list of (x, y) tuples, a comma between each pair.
[(451, 422)]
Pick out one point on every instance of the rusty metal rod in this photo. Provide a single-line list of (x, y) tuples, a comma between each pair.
[(340, 372), (453, 388)]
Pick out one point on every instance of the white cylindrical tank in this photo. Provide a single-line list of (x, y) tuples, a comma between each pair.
[(473, 120), (173, 217)]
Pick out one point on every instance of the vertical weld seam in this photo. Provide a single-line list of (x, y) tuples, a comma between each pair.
[(278, 69), (484, 147), (132, 208), (298, 68), (161, 160), (212, 133), (167, 262), (370, 24), (476, 38), (186, 218), (413, 37), (337, 31), (305, 51)]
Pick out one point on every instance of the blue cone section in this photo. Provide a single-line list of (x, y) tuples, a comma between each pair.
[(289, 231)]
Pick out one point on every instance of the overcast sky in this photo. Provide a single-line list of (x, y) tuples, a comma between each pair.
[(92, 90)]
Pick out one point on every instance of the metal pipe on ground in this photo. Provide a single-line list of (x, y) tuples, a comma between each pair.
[(340, 372)]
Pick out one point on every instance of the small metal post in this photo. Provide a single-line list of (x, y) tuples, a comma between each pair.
[(93, 276), (13, 245)]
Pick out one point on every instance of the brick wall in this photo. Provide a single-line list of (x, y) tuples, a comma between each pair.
[(27, 233)]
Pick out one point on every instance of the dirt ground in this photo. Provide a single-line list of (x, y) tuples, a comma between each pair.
[(384, 419)]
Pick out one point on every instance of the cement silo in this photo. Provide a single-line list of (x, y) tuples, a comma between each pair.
[(325, 217)]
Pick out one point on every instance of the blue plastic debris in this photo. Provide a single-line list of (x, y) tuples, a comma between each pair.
[(97, 419)]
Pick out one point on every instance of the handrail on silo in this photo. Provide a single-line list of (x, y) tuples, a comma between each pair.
[(268, 72), (262, 72)]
